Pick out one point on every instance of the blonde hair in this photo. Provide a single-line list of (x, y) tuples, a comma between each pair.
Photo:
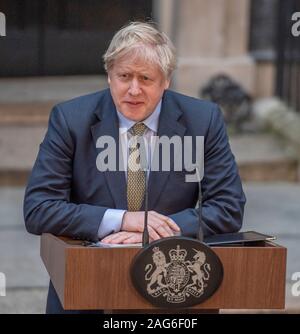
[(142, 41)]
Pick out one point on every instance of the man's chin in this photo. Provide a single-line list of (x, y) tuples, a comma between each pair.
[(134, 115)]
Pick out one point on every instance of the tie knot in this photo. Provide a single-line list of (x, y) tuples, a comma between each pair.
[(138, 129)]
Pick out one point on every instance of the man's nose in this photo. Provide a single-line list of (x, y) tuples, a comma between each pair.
[(134, 88)]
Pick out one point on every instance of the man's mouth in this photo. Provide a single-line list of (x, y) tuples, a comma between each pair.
[(134, 103)]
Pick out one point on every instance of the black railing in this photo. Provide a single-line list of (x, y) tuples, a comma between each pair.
[(288, 55)]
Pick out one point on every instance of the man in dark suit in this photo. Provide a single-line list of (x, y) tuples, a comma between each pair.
[(69, 195)]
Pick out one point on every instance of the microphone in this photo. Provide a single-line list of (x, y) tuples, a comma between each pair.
[(200, 235), (147, 169), (145, 240)]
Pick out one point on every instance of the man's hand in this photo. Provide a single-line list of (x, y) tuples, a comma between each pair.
[(123, 238), (159, 226)]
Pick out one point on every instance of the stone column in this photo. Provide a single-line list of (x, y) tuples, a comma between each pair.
[(211, 37)]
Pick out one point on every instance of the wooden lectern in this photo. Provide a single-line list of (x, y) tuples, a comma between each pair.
[(98, 278)]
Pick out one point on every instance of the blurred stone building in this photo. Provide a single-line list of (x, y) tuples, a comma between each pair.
[(249, 40), (241, 38)]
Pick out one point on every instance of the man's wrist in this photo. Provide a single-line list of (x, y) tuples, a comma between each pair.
[(123, 221), (111, 222)]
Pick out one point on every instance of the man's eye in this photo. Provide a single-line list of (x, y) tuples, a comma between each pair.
[(145, 78)]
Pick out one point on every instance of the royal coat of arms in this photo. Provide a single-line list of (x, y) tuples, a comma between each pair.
[(177, 279), (176, 272)]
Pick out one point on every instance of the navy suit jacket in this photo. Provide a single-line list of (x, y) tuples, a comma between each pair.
[(67, 195)]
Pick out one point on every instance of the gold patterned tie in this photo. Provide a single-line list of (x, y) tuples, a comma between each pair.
[(136, 177)]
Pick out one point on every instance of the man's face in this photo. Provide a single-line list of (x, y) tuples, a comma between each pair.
[(136, 88)]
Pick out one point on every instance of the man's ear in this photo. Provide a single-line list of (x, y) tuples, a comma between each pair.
[(108, 79)]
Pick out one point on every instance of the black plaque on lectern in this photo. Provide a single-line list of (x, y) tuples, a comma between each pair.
[(176, 272)]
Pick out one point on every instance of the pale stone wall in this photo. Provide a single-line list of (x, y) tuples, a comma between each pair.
[(211, 37), (265, 79)]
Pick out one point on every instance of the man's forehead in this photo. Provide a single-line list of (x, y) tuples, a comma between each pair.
[(135, 66)]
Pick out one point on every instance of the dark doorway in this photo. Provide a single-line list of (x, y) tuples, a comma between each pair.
[(62, 37), (288, 55)]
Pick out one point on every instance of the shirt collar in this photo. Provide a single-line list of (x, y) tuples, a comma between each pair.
[(151, 121)]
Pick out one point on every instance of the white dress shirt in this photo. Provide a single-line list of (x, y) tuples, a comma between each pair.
[(112, 219)]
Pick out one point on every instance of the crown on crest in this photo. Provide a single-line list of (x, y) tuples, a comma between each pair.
[(177, 254)]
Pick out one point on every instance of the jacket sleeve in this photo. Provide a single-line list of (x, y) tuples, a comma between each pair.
[(223, 197), (47, 204)]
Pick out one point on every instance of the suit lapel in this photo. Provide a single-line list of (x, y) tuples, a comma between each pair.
[(108, 126), (168, 126)]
